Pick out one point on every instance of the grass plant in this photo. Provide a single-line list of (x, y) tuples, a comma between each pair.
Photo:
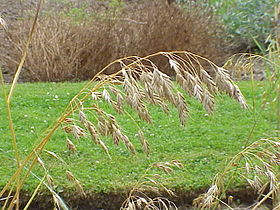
[(153, 87), (127, 96), (258, 164), (138, 197)]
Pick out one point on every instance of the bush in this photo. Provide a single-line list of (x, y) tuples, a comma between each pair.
[(63, 49), (251, 19), (247, 21)]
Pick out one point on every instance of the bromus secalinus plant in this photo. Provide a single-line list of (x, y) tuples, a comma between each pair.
[(135, 82)]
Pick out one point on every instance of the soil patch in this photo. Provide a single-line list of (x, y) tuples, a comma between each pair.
[(243, 198)]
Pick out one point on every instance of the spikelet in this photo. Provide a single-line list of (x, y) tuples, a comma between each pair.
[(104, 147), (76, 183), (82, 117), (167, 166), (71, 147), (96, 95), (182, 108), (128, 144), (225, 84), (144, 142), (40, 161), (3, 23), (93, 132), (106, 96), (77, 131)]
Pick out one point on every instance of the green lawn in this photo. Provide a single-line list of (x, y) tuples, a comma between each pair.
[(202, 145)]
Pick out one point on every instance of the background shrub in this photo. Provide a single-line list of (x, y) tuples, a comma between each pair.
[(251, 20), (247, 21), (64, 48)]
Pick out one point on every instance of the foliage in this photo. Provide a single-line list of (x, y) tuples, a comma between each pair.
[(116, 4), (77, 14), (245, 20), (250, 19)]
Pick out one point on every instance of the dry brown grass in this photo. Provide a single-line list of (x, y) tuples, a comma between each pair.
[(258, 165), (140, 195), (246, 66), (62, 50)]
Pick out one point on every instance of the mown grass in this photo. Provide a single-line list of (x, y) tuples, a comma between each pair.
[(202, 146)]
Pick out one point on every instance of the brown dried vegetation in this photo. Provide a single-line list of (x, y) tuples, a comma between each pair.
[(258, 165), (63, 50), (140, 195)]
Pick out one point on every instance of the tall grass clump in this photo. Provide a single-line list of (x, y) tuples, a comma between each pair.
[(66, 49), (258, 165)]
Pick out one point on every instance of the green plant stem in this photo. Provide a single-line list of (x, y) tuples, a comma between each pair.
[(278, 109), (254, 107)]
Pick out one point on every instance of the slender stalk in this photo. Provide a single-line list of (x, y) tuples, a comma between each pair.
[(34, 193), (9, 116), (13, 135), (8, 102), (278, 108), (8, 197), (254, 107)]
